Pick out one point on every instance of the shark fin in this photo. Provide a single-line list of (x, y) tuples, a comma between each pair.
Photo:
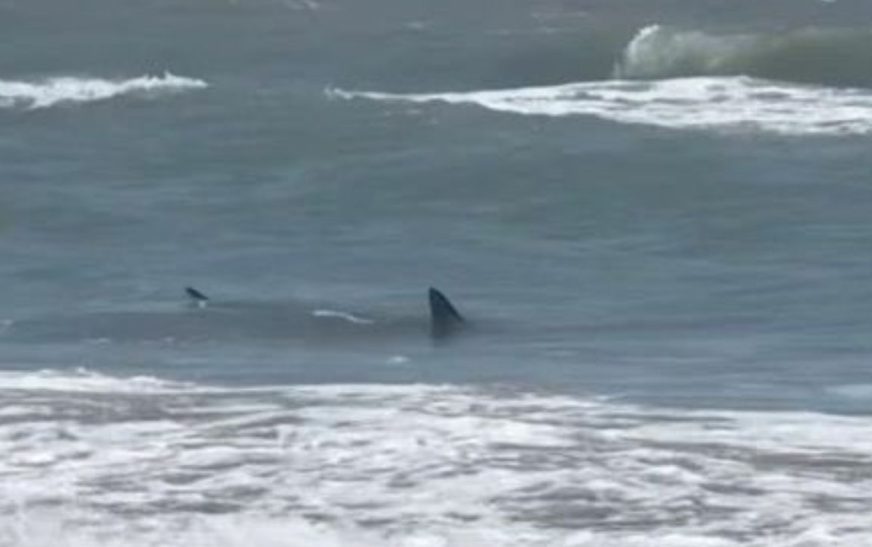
[(196, 297), (444, 317)]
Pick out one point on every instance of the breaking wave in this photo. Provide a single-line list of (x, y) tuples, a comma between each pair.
[(810, 81), (135, 462), (836, 57), (63, 90), (721, 103)]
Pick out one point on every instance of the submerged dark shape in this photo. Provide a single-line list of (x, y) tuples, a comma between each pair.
[(444, 317), (301, 324)]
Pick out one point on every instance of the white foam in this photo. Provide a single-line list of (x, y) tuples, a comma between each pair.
[(351, 318), (60, 90), (415, 466), (84, 380), (721, 103)]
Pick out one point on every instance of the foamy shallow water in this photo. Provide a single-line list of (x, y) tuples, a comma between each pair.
[(87, 459)]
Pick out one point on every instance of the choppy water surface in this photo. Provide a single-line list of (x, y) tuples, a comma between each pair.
[(654, 216)]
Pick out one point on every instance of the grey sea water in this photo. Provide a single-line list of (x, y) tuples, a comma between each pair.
[(654, 215)]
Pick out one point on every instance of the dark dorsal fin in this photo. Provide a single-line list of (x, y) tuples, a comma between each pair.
[(444, 317), (196, 296)]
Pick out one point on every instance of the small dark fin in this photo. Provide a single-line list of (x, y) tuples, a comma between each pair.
[(444, 317), (196, 296)]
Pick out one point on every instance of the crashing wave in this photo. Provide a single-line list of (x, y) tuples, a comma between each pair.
[(61, 90), (704, 103), (841, 57)]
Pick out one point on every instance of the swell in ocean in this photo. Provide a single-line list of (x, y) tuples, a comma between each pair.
[(101, 460)]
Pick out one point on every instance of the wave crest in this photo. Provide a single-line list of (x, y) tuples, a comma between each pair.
[(811, 55), (53, 91)]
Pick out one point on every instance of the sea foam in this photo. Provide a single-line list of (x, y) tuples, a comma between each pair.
[(721, 103), (123, 463), (48, 92)]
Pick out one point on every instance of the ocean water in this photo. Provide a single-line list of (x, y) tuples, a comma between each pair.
[(656, 217)]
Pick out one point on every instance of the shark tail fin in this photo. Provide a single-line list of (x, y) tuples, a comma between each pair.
[(444, 317), (196, 297)]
